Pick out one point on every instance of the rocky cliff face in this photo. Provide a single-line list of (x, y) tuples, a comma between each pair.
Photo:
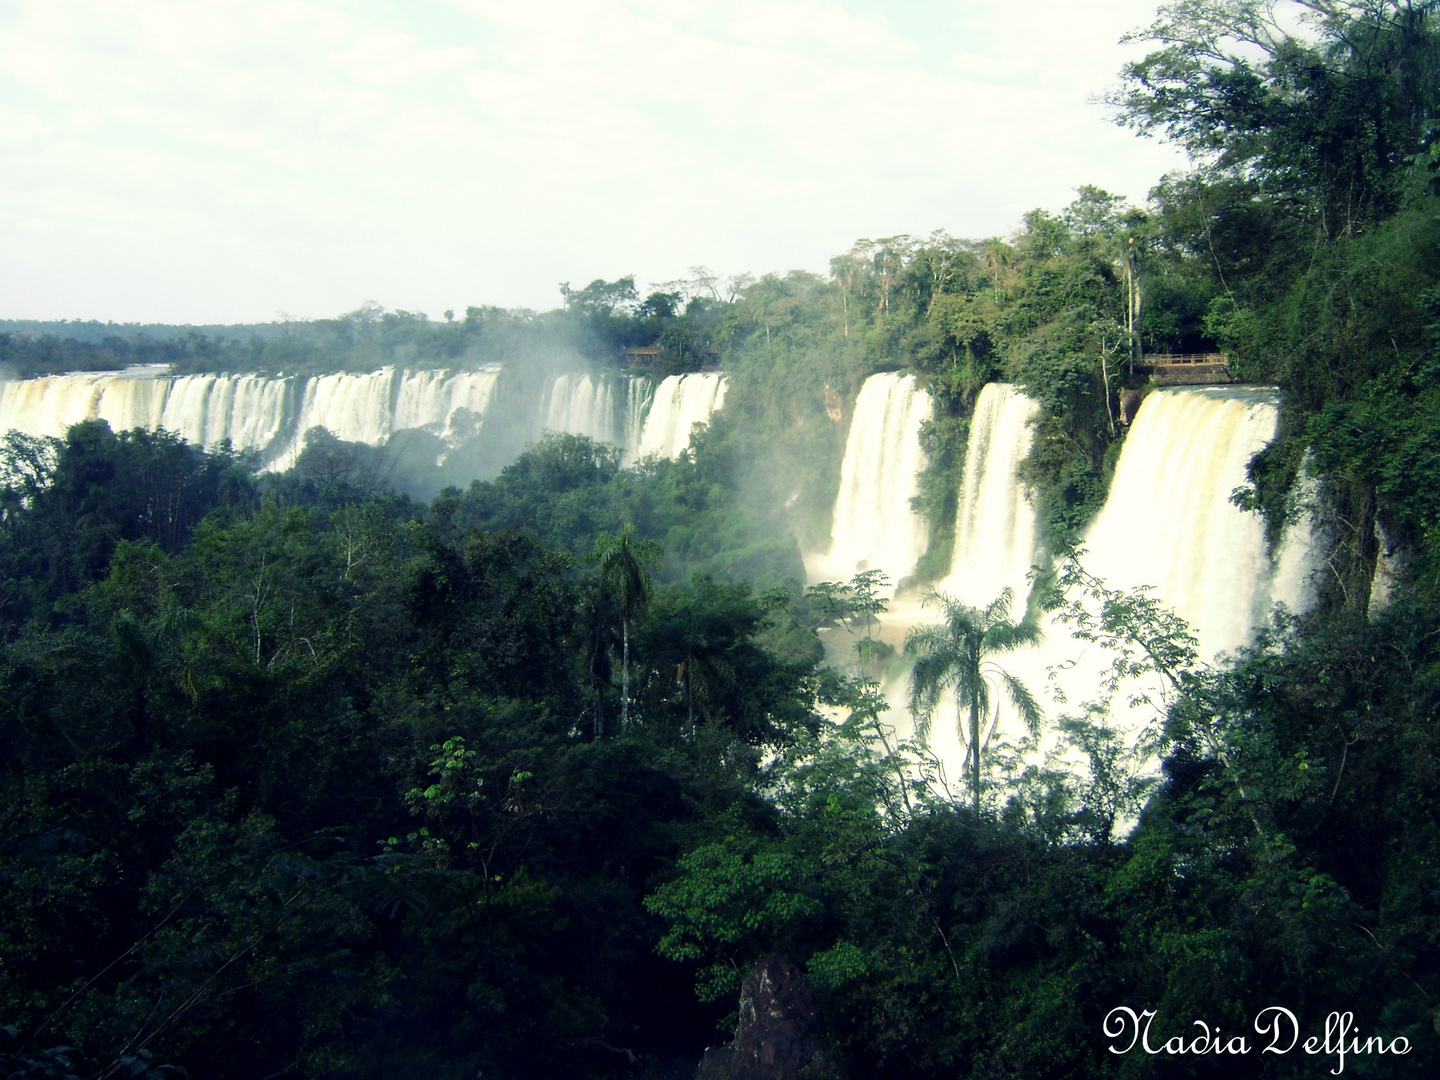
[(779, 1034)]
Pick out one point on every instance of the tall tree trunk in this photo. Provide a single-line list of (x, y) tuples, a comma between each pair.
[(625, 675), (975, 751), (689, 696)]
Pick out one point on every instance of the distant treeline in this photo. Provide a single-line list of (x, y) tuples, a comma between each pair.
[(28, 354), (598, 323)]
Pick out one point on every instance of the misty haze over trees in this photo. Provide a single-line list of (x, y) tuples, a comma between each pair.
[(352, 770)]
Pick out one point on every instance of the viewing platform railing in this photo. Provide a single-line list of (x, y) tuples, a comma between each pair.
[(1168, 359), (1185, 368)]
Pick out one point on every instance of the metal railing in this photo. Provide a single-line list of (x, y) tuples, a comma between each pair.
[(1177, 359)]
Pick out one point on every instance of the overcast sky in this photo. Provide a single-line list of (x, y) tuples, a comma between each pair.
[(229, 160)]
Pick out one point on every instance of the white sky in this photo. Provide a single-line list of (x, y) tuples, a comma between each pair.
[(227, 160)]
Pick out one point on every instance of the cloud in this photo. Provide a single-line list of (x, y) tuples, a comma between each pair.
[(223, 159)]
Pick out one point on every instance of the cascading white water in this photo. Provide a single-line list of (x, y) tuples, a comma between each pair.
[(616, 409), (49, 406), (995, 545), (272, 415), (128, 403), (249, 410), (679, 403), (874, 526), (995, 527), (355, 408), (1298, 557), (46, 406), (639, 397), (369, 408), (1169, 522), (584, 405), (429, 400), (254, 412)]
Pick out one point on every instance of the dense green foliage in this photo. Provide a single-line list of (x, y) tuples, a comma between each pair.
[(321, 779), (301, 777), (567, 489)]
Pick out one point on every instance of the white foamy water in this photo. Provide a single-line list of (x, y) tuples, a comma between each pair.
[(49, 406), (254, 412), (874, 527), (586, 405), (995, 528), (272, 415), (639, 397), (249, 410), (679, 403), (1168, 523), (429, 400), (353, 407)]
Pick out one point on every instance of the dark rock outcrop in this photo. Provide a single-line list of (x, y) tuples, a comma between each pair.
[(1129, 406), (778, 1036)]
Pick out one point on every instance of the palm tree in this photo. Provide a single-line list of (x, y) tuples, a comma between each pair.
[(955, 655), (624, 577)]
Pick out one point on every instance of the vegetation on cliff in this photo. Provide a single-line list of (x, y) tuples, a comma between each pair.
[(301, 777)]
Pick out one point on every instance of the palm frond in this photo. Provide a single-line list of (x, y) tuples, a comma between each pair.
[(998, 610), (932, 675), (1008, 636), (990, 732), (1024, 702), (951, 655)]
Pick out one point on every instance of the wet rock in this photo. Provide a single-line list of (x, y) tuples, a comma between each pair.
[(1129, 406), (778, 1036)]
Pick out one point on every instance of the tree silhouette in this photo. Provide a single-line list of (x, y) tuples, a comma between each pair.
[(625, 579), (955, 656)]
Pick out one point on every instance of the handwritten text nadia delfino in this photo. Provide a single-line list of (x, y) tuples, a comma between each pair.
[(1278, 1028)]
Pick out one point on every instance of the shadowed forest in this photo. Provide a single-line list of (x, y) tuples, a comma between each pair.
[(357, 771)]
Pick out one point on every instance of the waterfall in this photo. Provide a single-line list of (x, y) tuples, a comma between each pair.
[(272, 415), (615, 409), (355, 408), (429, 400), (874, 526), (995, 528), (130, 402), (1169, 522), (255, 412), (639, 397), (1389, 567), (50, 405), (1299, 556), (35, 406), (680, 402), (585, 405), (249, 410)]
